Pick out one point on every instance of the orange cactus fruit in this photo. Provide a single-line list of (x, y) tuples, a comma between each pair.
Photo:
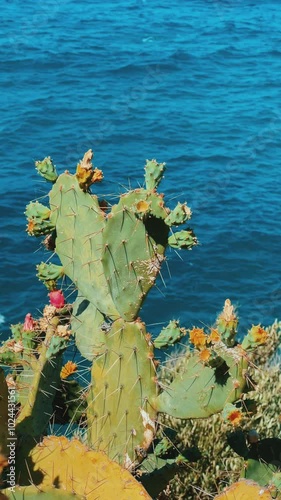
[(76, 469), (198, 337), (244, 490)]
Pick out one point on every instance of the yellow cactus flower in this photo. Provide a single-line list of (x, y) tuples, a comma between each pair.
[(232, 414), (235, 417), (30, 226), (214, 335), (258, 334), (68, 369), (198, 337), (142, 206)]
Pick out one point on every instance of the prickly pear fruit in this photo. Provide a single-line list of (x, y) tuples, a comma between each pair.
[(57, 299)]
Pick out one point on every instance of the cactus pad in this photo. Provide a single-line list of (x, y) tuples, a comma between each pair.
[(202, 389), (69, 466), (120, 415), (79, 225), (89, 327), (134, 250)]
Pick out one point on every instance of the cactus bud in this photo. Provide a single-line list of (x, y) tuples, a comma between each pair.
[(29, 323), (47, 169)]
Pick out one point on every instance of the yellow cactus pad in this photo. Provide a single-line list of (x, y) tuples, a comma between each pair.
[(70, 466), (244, 490)]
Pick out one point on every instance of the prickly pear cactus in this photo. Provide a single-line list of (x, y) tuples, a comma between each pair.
[(113, 256)]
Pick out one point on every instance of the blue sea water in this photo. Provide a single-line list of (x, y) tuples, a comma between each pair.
[(193, 83)]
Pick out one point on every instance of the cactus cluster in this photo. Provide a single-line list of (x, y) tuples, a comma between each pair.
[(113, 256)]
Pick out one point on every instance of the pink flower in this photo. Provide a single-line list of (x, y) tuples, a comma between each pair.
[(57, 298), (29, 323)]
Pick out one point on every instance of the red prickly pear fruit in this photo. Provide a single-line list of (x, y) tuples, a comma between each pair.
[(29, 323), (57, 299)]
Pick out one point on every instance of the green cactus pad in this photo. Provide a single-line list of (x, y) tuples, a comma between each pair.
[(79, 224), (157, 473), (259, 471), (88, 326), (264, 459), (120, 415), (184, 239), (56, 345), (133, 250), (153, 173), (170, 335), (199, 390), (38, 219), (36, 385), (238, 443), (179, 215), (47, 169)]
